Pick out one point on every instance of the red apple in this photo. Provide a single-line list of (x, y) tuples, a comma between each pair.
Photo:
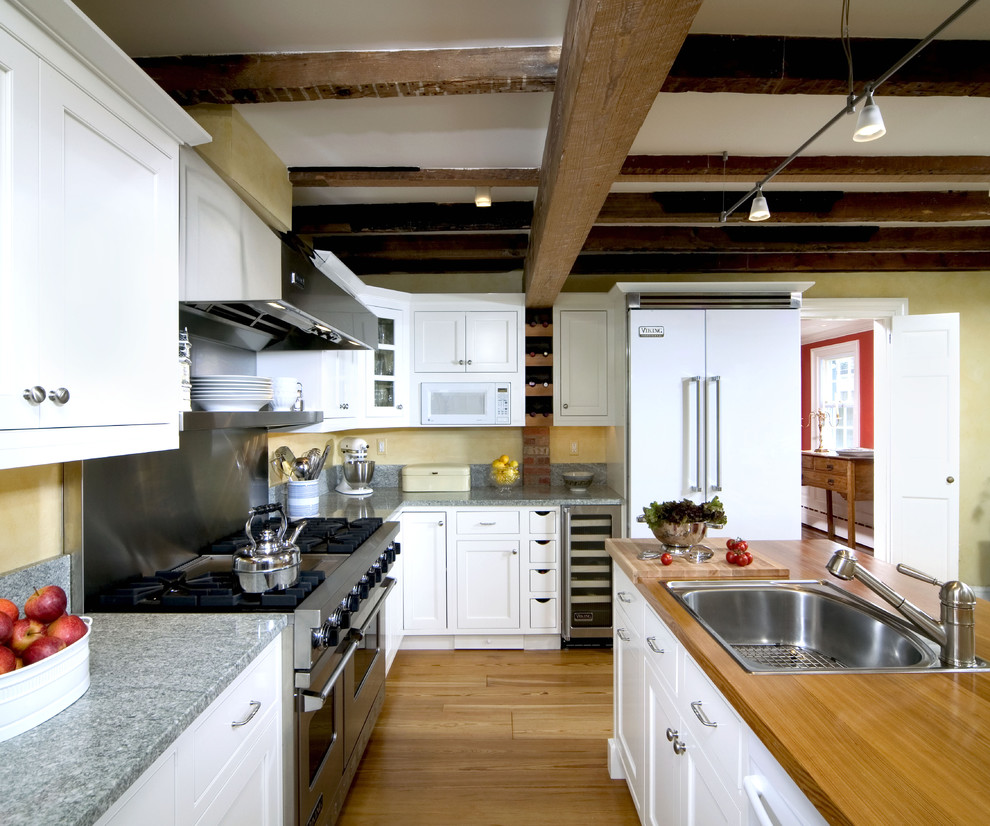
[(10, 609), (41, 648), (67, 628), (8, 662), (6, 627), (46, 604), (26, 631)]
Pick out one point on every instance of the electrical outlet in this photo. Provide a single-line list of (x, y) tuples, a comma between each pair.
[(574, 448), (382, 446)]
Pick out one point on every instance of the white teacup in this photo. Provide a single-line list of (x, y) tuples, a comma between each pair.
[(285, 391)]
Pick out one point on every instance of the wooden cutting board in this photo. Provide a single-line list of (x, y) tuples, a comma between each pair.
[(625, 552)]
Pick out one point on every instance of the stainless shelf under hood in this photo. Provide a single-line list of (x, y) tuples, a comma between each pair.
[(203, 420)]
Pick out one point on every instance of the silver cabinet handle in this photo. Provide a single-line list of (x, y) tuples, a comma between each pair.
[(398, 407), (674, 738), (624, 597), (440, 524), (514, 552), (696, 708), (622, 634), (469, 361), (460, 361), (696, 381), (36, 394), (671, 734), (487, 524), (59, 397), (255, 708), (718, 431), (564, 405), (652, 642)]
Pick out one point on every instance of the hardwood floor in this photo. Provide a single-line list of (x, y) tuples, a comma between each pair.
[(492, 738), (807, 532)]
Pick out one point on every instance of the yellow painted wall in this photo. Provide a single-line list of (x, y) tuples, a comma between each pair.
[(31, 504), (471, 446)]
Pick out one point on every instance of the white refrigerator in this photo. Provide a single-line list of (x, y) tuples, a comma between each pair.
[(715, 410)]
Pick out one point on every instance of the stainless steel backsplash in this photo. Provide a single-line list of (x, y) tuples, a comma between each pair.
[(152, 511)]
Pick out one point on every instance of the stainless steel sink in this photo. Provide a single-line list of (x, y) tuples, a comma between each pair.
[(806, 626)]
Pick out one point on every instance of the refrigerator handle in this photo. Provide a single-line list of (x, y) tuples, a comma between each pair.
[(696, 380), (718, 431)]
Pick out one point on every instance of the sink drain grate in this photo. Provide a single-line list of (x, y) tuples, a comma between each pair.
[(786, 656)]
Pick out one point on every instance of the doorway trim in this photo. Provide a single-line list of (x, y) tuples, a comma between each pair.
[(880, 310)]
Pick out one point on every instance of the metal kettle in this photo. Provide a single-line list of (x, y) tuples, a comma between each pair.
[(271, 561)]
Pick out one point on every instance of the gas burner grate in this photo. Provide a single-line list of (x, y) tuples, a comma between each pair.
[(174, 591), (323, 535), (787, 656)]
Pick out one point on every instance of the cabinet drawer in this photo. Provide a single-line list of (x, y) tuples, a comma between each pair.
[(216, 740), (629, 602), (543, 522), (543, 613), (662, 651), (543, 580), (829, 464), (807, 462), (542, 550), (722, 742), (496, 520), (827, 481)]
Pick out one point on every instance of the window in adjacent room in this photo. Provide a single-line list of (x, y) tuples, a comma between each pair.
[(835, 389)]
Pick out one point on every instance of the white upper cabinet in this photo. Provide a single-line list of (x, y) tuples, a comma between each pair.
[(387, 382), (587, 361), (89, 254), (449, 341)]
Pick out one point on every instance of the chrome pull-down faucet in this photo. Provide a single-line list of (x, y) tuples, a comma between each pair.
[(955, 633)]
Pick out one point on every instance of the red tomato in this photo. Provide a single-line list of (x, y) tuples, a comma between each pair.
[(730, 545), (731, 556), (745, 558), (741, 545), (666, 559)]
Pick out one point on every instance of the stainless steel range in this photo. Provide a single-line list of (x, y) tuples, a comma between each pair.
[(335, 606)]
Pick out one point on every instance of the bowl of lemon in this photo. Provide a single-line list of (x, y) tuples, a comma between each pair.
[(505, 473)]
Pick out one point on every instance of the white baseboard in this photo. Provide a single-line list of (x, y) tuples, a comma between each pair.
[(615, 768)]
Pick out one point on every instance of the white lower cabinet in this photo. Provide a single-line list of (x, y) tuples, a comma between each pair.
[(226, 768), (686, 755), (497, 587)]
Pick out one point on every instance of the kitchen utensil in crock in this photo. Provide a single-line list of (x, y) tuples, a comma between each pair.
[(282, 460), (327, 451), (272, 561)]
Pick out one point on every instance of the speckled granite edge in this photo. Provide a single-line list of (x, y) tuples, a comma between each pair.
[(151, 676), (19, 584)]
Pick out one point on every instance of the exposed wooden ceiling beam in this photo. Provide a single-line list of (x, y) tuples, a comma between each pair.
[(817, 66), (411, 217), (818, 169), (269, 78), (653, 208), (747, 263), (821, 207), (705, 63), (304, 176), (615, 57)]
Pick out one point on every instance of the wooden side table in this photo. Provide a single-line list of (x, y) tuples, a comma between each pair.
[(849, 476)]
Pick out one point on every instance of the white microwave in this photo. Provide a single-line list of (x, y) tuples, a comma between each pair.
[(466, 403)]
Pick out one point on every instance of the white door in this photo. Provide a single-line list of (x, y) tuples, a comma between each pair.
[(666, 362), (488, 584), (424, 580), (753, 392), (924, 438), (490, 342), (438, 342), (583, 362)]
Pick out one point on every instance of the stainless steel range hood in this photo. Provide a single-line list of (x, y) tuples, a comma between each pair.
[(305, 305)]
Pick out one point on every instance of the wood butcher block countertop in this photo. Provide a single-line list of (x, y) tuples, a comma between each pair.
[(866, 749)]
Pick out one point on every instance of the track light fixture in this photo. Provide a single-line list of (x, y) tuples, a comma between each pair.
[(759, 211), (869, 125), (483, 196)]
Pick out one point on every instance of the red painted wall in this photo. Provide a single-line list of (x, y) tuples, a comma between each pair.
[(865, 388)]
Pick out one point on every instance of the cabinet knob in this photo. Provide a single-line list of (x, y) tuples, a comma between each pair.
[(564, 405), (398, 407), (59, 397), (460, 361), (671, 734), (469, 361), (36, 394), (950, 479), (679, 746)]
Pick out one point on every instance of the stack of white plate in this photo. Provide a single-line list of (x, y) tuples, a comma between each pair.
[(233, 393)]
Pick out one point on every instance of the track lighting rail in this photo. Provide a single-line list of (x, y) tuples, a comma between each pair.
[(848, 109)]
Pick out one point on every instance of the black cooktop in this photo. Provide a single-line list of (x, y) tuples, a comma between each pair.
[(207, 583)]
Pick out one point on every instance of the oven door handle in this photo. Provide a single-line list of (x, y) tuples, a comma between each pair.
[(314, 700)]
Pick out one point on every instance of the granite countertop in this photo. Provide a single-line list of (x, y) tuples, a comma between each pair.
[(386, 501), (151, 675)]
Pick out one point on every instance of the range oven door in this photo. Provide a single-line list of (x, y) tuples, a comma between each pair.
[(363, 680), (320, 739)]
